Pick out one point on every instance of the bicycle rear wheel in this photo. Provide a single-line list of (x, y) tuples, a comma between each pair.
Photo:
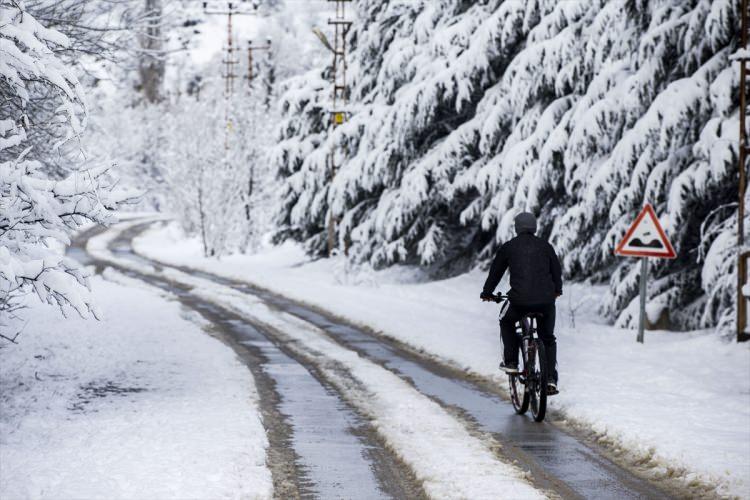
[(537, 383)]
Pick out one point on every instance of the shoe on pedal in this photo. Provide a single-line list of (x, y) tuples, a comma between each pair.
[(509, 368), (552, 388)]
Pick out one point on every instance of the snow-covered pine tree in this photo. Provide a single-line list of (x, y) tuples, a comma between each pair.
[(301, 133), (409, 95), (37, 214), (468, 112)]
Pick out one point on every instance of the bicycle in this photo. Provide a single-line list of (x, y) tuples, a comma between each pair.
[(528, 387)]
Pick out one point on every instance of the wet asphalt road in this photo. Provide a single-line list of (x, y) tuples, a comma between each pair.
[(330, 450)]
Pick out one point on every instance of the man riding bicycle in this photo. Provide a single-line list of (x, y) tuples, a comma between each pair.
[(535, 284)]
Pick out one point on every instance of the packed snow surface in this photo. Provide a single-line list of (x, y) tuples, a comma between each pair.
[(142, 404), (666, 401)]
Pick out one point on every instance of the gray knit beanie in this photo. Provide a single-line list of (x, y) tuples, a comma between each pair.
[(525, 223)]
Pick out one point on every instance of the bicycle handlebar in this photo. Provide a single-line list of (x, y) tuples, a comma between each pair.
[(498, 298)]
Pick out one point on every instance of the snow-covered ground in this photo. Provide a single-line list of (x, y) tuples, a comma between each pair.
[(681, 402), (417, 429), (142, 404)]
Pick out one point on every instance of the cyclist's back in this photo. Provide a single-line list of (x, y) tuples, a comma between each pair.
[(535, 277), (535, 282)]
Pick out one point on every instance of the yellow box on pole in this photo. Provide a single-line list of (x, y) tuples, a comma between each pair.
[(338, 118)]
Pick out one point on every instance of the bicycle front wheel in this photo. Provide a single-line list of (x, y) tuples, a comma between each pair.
[(519, 394), (518, 384), (538, 383)]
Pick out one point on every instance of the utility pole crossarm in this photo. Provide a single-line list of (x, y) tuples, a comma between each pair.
[(337, 21), (234, 8)]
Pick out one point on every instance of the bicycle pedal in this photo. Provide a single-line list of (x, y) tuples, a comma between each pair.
[(509, 369)]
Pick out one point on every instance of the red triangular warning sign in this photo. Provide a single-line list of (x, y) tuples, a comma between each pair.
[(646, 238)]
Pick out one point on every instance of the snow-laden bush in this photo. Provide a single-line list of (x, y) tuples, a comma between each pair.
[(37, 214), (207, 173), (466, 113)]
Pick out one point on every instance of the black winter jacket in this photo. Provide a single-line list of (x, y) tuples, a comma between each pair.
[(535, 275)]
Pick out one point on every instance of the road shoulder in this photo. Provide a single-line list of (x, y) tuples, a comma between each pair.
[(142, 404)]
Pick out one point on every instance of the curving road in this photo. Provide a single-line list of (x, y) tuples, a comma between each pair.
[(322, 447)]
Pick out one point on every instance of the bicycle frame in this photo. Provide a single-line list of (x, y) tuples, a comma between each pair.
[(528, 345), (531, 379)]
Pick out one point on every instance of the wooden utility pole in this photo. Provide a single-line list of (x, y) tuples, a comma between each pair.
[(338, 66), (742, 253), (340, 95), (250, 77), (230, 58), (230, 61), (250, 61)]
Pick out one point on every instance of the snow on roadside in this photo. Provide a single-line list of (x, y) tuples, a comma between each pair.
[(665, 401), (450, 462), (143, 404)]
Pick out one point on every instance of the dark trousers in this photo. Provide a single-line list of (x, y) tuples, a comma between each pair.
[(545, 328)]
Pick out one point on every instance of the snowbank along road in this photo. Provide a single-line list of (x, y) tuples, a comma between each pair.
[(352, 415)]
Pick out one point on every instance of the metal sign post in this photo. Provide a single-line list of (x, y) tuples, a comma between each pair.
[(644, 280), (645, 239)]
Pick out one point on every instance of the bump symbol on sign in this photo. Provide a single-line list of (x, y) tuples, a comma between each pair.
[(652, 243)]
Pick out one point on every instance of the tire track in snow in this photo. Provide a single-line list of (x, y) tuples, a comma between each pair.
[(319, 447), (450, 461)]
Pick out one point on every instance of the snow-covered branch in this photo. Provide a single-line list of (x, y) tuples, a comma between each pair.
[(38, 213)]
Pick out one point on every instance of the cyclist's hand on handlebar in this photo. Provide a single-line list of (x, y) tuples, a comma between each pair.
[(487, 297)]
